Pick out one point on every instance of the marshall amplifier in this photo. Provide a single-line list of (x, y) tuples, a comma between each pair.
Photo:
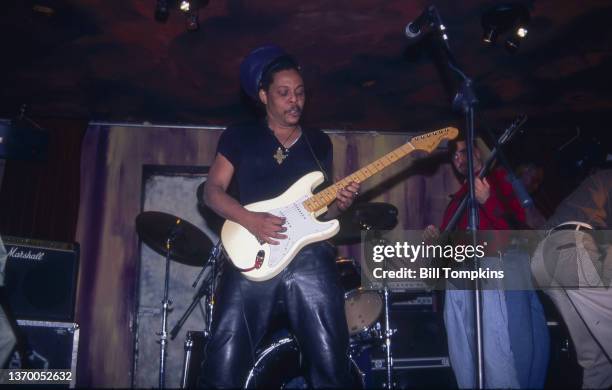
[(40, 278)]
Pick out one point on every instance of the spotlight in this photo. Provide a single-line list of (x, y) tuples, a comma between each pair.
[(185, 6), (503, 18), (190, 8), (161, 11), (489, 36), (191, 21), (514, 42)]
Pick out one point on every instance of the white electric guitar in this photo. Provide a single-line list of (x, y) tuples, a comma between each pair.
[(259, 262)]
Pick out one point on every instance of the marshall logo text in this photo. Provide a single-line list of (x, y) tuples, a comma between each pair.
[(15, 253)]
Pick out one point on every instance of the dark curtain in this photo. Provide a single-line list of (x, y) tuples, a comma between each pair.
[(40, 199)]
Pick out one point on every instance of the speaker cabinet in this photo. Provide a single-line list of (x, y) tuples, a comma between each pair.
[(419, 345), (40, 278), (43, 345)]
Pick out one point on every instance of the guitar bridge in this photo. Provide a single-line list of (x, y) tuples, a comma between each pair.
[(259, 259)]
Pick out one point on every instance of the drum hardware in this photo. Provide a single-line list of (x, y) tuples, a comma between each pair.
[(207, 288), (387, 345), (279, 365), (388, 332), (377, 217), (175, 239), (189, 247), (192, 359), (186, 360), (362, 307), (369, 338), (365, 216)]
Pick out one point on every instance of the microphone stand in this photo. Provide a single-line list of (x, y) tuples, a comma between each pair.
[(465, 101), (173, 234)]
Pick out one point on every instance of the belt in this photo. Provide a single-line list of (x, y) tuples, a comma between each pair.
[(573, 225)]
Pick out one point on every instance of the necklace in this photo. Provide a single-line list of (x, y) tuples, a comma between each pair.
[(282, 152)]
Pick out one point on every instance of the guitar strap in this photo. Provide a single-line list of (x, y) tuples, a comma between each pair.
[(325, 176)]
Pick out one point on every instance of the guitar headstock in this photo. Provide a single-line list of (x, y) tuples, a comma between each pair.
[(512, 129), (428, 142)]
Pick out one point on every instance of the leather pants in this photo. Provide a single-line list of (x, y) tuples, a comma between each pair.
[(308, 292)]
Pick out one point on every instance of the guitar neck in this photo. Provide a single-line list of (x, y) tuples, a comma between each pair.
[(325, 197)]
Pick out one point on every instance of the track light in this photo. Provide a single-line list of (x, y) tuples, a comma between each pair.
[(514, 42), (503, 18), (490, 35), (190, 8)]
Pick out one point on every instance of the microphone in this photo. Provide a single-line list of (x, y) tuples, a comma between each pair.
[(415, 28)]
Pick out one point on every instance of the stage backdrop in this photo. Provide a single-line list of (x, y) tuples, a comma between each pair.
[(113, 161)]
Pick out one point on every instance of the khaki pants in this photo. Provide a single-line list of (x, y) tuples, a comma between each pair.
[(574, 272), (7, 338)]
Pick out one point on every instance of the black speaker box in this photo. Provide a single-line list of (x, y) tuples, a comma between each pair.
[(43, 345), (419, 346), (40, 278)]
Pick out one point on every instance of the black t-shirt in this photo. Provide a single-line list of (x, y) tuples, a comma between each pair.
[(250, 149)]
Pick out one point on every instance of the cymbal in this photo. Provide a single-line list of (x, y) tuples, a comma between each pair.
[(190, 245), (365, 216)]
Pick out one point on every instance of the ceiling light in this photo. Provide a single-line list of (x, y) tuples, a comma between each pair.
[(489, 36), (185, 6), (505, 18)]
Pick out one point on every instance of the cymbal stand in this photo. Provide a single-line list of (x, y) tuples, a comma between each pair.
[(210, 298), (387, 336), (163, 335), (207, 288), (388, 332)]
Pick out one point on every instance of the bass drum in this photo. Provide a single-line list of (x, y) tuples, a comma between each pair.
[(279, 366)]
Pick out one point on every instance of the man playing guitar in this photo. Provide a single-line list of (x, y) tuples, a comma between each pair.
[(264, 159)]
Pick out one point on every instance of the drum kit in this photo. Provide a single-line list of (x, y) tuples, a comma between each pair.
[(278, 363)]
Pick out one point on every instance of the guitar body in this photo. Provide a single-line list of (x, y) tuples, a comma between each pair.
[(302, 229)]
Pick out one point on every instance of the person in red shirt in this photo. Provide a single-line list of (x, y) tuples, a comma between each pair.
[(499, 208), (514, 328)]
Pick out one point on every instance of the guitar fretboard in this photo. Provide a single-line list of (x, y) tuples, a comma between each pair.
[(325, 197), (426, 142)]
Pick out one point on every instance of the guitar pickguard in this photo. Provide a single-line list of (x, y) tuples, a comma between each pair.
[(299, 223)]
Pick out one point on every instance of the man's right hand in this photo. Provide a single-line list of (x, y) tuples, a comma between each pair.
[(431, 233), (265, 227)]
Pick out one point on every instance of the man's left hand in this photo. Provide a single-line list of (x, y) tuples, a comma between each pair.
[(482, 190), (347, 195)]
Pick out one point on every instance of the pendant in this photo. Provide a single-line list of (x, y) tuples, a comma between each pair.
[(280, 155)]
